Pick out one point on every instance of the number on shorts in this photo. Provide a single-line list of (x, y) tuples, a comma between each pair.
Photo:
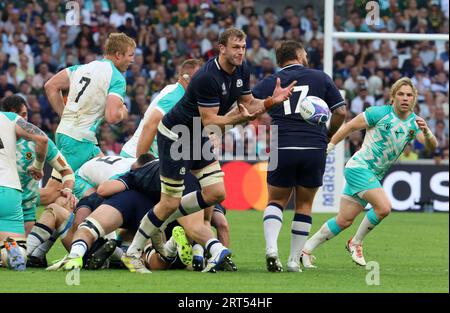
[(303, 90), (87, 81)]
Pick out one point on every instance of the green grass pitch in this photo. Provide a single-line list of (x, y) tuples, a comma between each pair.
[(410, 248)]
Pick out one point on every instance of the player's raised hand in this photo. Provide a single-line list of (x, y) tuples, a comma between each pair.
[(246, 115), (35, 173), (70, 198), (422, 125), (282, 94)]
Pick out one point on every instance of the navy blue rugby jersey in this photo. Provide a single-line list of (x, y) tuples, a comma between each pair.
[(293, 131), (144, 179), (211, 86)]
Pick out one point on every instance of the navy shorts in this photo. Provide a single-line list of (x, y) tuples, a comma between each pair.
[(194, 160), (298, 168), (133, 205), (91, 202)]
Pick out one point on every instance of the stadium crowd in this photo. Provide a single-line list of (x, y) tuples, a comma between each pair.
[(36, 42)]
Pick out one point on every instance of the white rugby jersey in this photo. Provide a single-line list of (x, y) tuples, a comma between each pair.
[(90, 84), (8, 140), (101, 169), (166, 99)]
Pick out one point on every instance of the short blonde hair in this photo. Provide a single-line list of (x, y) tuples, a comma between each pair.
[(118, 42), (404, 81)]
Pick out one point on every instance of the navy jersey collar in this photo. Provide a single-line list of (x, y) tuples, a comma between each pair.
[(291, 65)]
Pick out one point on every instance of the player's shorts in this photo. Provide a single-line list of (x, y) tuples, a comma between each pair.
[(81, 186), (133, 205), (29, 206), (76, 152), (359, 180), (173, 171), (298, 168), (91, 202), (11, 214)]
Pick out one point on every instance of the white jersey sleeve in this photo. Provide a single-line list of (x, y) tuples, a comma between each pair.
[(99, 170), (90, 84), (165, 100), (8, 141)]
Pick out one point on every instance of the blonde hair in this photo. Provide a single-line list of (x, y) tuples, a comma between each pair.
[(404, 81), (118, 42)]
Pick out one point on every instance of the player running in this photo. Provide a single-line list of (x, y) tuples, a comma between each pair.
[(96, 92), (210, 95), (12, 232), (25, 156), (389, 129), (301, 150)]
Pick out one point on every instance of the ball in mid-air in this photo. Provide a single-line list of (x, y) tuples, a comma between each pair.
[(314, 110)]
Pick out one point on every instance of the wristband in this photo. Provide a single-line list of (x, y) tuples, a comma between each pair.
[(67, 189), (429, 135), (67, 177), (38, 165), (268, 103), (330, 147)]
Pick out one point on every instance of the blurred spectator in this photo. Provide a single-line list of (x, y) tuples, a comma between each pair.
[(35, 43), (408, 154), (362, 100)]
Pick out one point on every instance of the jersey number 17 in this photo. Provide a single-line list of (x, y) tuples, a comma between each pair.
[(303, 90)]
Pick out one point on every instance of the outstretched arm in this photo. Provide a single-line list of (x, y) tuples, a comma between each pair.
[(53, 89), (148, 132), (357, 123), (258, 106)]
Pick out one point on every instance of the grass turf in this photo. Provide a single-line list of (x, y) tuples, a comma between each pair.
[(411, 249)]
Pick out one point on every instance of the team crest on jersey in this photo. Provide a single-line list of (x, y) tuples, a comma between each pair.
[(239, 83), (412, 134), (183, 171), (29, 156), (224, 89)]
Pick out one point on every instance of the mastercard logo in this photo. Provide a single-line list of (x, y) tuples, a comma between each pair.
[(245, 185)]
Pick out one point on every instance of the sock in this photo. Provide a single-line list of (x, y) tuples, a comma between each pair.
[(213, 246), (368, 223), (150, 224), (300, 228), (170, 248), (272, 222), (328, 230), (78, 249), (117, 254), (39, 234), (43, 248), (190, 203), (198, 250)]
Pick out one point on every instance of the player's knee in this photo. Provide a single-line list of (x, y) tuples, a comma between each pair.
[(343, 222), (384, 210), (93, 227), (215, 195)]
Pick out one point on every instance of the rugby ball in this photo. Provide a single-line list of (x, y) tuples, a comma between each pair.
[(314, 110)]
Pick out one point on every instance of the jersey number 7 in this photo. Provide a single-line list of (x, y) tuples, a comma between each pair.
[(303, 90), (87, 81)]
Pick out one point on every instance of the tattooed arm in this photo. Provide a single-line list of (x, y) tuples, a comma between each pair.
[(32, 133)]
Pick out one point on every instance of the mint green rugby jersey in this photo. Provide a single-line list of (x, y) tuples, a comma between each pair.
[(25, 155), (385, 139)]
